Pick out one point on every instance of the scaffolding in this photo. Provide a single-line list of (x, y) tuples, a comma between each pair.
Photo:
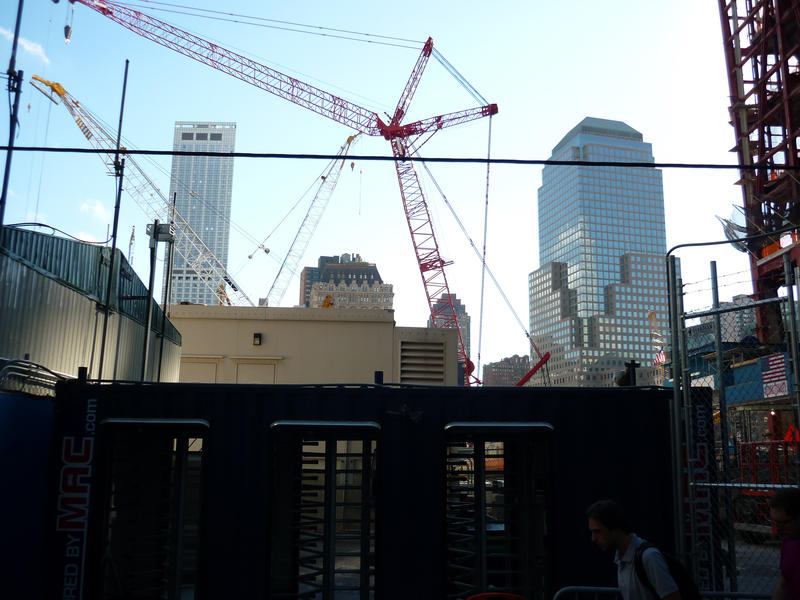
[(762, 52)]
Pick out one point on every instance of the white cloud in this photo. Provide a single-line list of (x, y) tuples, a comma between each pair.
[(27, 45), (96, 209), (86, 237)]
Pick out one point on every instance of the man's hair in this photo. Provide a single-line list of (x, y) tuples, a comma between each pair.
[(788, 499), (611, 514)]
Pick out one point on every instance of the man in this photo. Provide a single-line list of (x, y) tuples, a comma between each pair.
[(784, 510), (611, 530)]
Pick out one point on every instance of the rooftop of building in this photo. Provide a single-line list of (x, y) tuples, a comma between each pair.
[(269, 313), (336, 272), (604, 127), (205, 124), (83, 267)]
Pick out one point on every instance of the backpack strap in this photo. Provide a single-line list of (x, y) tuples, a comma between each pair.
[(638, 564)]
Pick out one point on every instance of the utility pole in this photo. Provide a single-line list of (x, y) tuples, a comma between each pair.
[(119, 169), (157, 232), (14, 87), (167, 286)]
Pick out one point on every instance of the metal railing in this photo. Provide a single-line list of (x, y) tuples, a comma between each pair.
[(609, 593)]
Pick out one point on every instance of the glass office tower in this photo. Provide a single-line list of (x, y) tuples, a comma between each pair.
[(599, 297), (201, 187)]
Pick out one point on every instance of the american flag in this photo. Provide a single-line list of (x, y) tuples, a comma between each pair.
[(773, 374), (661, 357)]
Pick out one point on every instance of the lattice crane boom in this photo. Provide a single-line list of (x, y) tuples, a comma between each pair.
[(403, 138), (413, 82), (149, 197), (309, 224), (270, 80)]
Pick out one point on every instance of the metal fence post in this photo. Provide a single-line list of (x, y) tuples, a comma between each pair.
[(723, 412), (688, 434), (675, 408), (791, 280)]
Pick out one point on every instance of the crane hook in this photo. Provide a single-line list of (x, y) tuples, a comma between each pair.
[(68, 25)]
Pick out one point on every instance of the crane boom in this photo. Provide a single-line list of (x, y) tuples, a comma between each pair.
[(149, 197), (413, 82), (273, 81), (303, 236), (402, 137), (239, 66)]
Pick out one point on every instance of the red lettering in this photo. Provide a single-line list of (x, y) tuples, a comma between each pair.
[(83, 455), (73, 511), (72, 480)]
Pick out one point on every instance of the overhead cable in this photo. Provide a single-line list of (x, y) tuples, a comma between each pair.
[(241, 19), (427, 159)]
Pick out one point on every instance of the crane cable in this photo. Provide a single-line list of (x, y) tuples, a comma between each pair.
[(459, 77), (478, 254), (483, 254), (345, 34), (178, 182), (303, 196)]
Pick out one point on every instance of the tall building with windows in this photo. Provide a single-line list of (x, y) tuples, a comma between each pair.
[(602, 242), (462, 317), (507, 371), (201, 187)]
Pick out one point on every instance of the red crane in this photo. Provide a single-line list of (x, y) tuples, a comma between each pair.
[(405, 139)]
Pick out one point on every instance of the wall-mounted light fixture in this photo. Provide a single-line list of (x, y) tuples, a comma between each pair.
[(256, 339)]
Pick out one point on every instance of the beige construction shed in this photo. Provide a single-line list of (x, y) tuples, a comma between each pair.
[(225, 344)]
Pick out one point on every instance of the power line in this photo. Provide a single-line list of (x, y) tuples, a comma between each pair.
[(431, 159), (242, 19)]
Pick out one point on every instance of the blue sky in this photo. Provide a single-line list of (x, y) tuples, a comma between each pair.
[(657, 66)]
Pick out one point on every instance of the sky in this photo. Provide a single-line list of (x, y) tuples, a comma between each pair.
[(659, 67)]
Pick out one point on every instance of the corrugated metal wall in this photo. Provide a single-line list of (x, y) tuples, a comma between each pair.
[(49, 292)]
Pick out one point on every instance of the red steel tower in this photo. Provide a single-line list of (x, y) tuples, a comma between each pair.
[(762, 53)]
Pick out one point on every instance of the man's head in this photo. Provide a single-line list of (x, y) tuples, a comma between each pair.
[(608, 524), (784, 510)]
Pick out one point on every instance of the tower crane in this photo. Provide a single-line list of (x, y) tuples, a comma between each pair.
[(149, 197), (303, 236), (405, 138)]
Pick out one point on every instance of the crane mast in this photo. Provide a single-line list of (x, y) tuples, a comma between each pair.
[(404, 138), (149, 197)]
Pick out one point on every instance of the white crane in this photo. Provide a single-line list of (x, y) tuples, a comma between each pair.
[(300, 243), (210, 271)]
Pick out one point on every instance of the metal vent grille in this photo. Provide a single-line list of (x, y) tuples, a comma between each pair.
[(422, 362)]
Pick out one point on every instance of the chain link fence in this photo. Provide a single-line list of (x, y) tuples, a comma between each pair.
[(733, 366)]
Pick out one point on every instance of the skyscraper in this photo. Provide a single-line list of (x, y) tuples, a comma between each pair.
[(201, 187), (602, 241), (462, 318)]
